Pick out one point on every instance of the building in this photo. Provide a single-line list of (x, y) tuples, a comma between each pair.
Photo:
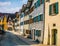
[(10, 22), (32, 21), (21, 23), (41, 20), (37, 20), (26, 19), (3, 21), (17, 23), (52, 24)]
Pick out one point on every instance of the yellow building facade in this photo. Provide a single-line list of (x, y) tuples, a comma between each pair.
[(52, 24), (3, 23)]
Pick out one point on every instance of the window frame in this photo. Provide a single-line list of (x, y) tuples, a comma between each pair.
[(53, 9)]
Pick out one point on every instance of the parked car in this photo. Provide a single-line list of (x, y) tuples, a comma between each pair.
[(2, 33)]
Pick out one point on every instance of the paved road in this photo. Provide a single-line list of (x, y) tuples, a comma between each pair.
[(11, 40)]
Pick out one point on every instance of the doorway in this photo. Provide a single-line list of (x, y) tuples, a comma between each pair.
[(54, 36)]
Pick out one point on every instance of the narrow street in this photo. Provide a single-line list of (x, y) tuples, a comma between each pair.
[(11, 40)]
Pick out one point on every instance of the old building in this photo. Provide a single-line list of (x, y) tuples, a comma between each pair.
[(39, 19), (10, 22), (17, 22), (37, 16), (26, 19), (3, 21), (52, 24)]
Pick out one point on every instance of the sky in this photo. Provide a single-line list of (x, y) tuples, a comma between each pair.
[(11, 6)]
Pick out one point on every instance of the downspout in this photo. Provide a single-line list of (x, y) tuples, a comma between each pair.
[(43, 23)]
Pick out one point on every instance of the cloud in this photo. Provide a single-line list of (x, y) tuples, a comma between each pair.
[(10, 10), (5, 3), (11, 7)]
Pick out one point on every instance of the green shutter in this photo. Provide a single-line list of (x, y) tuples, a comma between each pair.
[(34, 19), (41, 16), (56, 8), (35, 5), (50, 9), (38, 33), (42, 1), (38, 18), (38, 2)]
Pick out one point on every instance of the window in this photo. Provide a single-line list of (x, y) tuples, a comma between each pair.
[(31, 21), (41, 1), (28, 32), (35, 19), (21, 23), (21, 16), (30, 16), (38, 33), (26, 22), (53, 9), (31, 10), (40, 17), (10, 29), (47, 0), (37, 4)]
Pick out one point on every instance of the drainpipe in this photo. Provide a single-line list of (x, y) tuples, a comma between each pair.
[(43, 22)]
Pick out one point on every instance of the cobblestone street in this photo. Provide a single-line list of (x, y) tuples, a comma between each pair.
[(11, 40)]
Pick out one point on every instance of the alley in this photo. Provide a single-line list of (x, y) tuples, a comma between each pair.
[(11, 40)]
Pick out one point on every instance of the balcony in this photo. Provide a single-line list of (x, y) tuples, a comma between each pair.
[(32, 9)]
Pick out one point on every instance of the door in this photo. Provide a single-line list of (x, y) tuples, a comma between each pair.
[(54, 36)]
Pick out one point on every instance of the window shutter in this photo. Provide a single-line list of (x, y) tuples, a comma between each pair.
[(38, 33), (50, 9), (38, 18), (56, 8), (35, 5), (34, 19), (42, 1), (38, 2), (41, 16)]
